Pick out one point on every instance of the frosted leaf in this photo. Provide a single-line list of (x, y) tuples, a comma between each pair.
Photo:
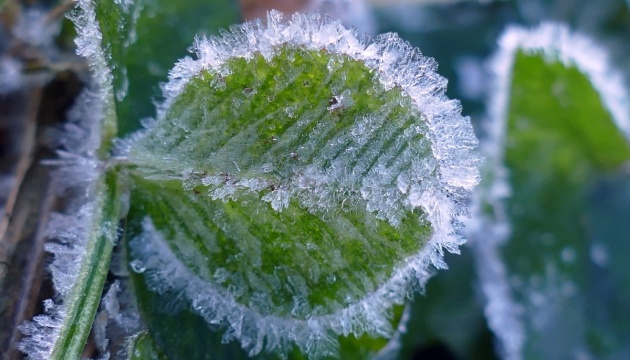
[(530, 252), (106, 33), (294, 227)]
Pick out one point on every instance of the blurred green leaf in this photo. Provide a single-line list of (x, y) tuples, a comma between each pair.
[(608, 291), (560, 139)]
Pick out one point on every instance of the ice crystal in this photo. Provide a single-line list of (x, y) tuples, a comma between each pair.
[(489, 233), (407, 166), (74, 172), (89, 46)]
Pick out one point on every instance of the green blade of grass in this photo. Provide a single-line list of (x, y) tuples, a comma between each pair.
[(83, 299)]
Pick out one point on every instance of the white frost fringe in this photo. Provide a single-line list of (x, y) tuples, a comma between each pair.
[(453, 142), (77, 169), (555, 42)]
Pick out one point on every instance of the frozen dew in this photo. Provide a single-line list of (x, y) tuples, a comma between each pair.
[(137, 266), (298, 203)]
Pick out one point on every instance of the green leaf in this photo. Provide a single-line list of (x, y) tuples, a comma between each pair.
[(298, 183), (182, 333), (563, 129), (176, 328), (271, 233), (142, 40)]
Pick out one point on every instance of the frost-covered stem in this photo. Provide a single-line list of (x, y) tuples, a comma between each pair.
[(85, 295), (82, 238), (89, 46), (82, 300)]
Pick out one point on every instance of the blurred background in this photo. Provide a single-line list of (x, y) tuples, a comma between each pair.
[(41, 77)]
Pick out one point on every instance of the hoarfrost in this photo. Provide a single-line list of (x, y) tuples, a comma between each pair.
[(110, 311), (68, 233), (488, 233), (117, 320), (75, 170), (316, 335), (394, 345), (397, 62), (89, 46), (437, 181)]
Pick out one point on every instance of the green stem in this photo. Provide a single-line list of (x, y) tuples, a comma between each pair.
[(83, 300)]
